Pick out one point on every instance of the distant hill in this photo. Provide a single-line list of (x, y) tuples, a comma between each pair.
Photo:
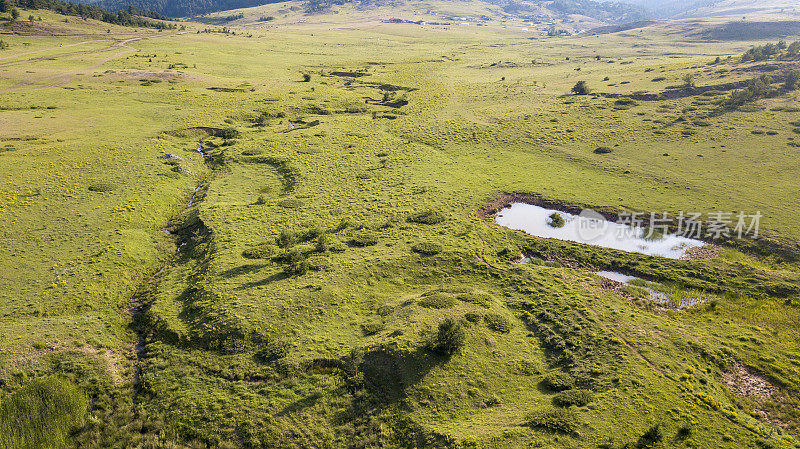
[(611, 12), (670, 8), (179, 8)]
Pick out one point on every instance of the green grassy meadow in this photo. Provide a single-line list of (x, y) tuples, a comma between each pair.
[(277, 291)]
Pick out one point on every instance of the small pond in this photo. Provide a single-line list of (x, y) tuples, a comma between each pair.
[(590, 228), (657, 293)]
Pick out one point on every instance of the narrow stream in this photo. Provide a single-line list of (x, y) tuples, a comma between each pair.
[(137, 311)]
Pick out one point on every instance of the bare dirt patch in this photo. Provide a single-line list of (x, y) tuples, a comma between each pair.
[(748, 382)]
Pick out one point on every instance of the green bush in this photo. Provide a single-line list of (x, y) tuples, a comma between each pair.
[(364, 239), (427, 248), (497, 323), (427, 217), (573, 397), (554, 420), (41, 414), (285, 239), (274, 350), (296, 262), (437, 301), (227, 133), (372, 328), (556, 220), (558, 381), (792, 81), (473, 317), (450, 337), (580, 88), (260, 251), (602, 150), (101, 186)]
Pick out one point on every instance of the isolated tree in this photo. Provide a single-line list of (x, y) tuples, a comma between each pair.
[(450, 337), (14, 14), (580, 88), (688, 80), (792, 80), (31, 18)]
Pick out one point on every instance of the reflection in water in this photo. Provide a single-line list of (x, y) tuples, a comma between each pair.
[(582, 229)]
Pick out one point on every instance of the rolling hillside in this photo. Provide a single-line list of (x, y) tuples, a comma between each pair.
[(281, 230)]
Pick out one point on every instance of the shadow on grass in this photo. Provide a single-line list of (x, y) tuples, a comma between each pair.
[(274, 277), (242, 269)]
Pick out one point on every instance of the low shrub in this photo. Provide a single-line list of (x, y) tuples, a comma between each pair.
[(363, 239), (322, 244), (286, 239), (573, 397), (101, 186), (273, 351), (473, 317), (372, 328), (556, 220), (580, 88), (296, 262), (437, 301), (602, 150), (227, 133), (558, 381), (554, 420), (260, 251), (492, 401), (429, 217), (497, 323), (427, 248)]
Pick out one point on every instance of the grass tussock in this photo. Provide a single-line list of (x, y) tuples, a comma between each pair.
[(41, 414)]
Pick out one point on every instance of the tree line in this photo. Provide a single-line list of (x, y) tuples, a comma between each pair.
[(126, 17), (780, 51)]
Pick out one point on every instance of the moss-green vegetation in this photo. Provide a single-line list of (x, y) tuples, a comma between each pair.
[(254, 258), (556, 220), (41, 414)]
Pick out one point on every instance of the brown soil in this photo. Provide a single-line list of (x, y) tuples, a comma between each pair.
[(505, 200), (707, 251), (748, 382)]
